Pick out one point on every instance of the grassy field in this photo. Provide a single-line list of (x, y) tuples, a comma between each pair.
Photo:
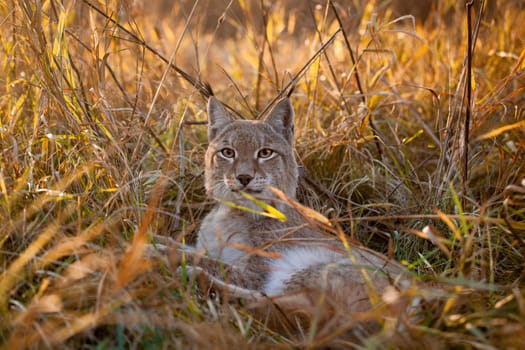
[(102, 144)]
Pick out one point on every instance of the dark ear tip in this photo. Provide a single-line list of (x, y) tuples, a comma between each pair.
[(208, 90), (285, 102)]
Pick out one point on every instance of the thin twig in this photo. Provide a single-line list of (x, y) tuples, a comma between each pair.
[(350, 51), (357, 79), (470, 218), (260, 59), (330, 67), (300, 73), (471, 40), (252, 112), (270, 50), (468, 103), (203, 88)]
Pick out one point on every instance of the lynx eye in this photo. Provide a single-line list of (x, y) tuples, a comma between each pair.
[(227, 153), (265, 153)]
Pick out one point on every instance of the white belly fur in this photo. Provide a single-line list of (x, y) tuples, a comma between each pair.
[(294, 260)]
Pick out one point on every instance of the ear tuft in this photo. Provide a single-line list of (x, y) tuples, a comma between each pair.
[(218, 117), (281, 118)]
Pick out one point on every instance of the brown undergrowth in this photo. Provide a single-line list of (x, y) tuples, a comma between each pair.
[(101, 152)]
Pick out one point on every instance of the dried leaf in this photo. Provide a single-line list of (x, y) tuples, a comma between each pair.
[(305, 211)]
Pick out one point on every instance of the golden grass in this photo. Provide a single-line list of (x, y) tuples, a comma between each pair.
[(101, 152)]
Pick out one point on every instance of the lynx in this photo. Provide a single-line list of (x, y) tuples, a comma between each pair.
[(289, 262)]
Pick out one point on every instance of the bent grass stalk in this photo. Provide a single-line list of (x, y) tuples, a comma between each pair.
[(80, 197)]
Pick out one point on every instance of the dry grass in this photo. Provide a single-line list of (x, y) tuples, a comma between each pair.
[(101, 147)]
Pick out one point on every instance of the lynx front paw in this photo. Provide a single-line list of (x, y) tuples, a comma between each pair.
[(212, 283)]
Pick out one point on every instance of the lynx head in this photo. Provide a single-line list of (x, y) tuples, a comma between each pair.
[(249, 155)]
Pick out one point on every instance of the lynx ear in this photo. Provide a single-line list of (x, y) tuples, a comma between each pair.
[(218, 117), (281, 119)]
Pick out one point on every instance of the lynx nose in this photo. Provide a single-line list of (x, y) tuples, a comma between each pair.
[(244, 179)]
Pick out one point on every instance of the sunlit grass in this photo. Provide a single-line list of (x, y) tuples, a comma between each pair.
[(102, 143)]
